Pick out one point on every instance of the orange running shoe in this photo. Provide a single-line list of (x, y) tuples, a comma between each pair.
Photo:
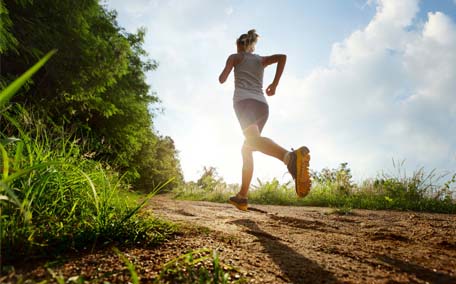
[(299, 170), (240, 203)]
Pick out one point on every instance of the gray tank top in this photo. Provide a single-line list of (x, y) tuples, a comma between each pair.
[(248, 79)]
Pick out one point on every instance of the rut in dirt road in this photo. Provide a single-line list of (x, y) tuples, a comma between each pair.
[(282, 244)]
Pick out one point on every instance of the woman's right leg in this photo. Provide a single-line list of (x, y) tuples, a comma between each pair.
[(254, 140), (297, 162)]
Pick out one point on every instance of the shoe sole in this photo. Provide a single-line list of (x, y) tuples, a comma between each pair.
[(303, 182), (242, 207)]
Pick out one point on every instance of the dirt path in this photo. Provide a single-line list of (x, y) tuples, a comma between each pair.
[(281, 244), (278, 244)]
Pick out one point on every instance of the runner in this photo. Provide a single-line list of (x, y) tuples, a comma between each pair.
[(252, 111)]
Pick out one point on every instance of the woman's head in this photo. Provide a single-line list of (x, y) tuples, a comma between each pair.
[(246, 42)]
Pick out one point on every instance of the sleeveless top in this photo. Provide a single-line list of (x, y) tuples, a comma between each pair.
[(248, 79)]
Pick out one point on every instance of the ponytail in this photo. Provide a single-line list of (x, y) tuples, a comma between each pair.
[(248, 40)]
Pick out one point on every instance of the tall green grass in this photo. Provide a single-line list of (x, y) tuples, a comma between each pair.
[(418, 191), (53, 197), (11, 90)]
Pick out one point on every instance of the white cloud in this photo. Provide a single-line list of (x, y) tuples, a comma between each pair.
[(230, 10), (198, 114), (388, 91)]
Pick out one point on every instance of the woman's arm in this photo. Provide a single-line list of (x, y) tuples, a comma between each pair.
[(280, 59), (230, 62)]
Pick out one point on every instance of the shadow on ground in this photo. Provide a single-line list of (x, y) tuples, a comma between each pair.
[(296, 267), (427, 275)]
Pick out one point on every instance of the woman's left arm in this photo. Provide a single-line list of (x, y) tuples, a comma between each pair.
[(227, 70)]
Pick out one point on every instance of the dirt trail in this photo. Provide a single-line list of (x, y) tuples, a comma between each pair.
[(282, 244)]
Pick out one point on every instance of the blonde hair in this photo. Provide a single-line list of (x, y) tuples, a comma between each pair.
[(247, 41)]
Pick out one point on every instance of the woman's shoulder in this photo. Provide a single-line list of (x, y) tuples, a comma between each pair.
[(236, 58)]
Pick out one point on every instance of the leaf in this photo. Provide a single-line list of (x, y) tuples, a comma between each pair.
[(7, 93), (9, 140), (5, 160)]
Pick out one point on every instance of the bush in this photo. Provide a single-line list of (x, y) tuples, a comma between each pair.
[(54, 197), (334, 188), (340, 178)]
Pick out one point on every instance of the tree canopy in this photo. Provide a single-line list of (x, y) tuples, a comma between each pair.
[(94, 87)]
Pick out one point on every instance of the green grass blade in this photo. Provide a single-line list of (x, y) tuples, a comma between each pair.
[(22, 172), (18, 155), (5, 160), (147, 198), (7, 93), (92, 187), (129, 264)]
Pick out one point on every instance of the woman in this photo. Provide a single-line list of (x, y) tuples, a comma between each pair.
[(252, 112)]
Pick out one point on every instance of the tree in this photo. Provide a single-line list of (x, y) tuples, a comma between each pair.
[(159, 165), (95, 85)]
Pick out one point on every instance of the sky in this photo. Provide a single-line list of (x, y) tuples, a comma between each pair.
[(370, 83)]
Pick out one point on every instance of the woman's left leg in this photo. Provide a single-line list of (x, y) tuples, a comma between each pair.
[(247, 170), (255, 142)]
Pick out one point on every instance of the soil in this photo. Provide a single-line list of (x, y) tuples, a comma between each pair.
[(284, 244)]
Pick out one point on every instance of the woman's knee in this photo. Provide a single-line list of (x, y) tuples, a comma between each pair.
[(246, 149), (253, 142)]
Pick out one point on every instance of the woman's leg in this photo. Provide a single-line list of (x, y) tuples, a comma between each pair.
[(255, 142), (247, 170)]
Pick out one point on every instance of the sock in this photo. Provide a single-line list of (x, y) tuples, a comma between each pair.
[(240, 196), (286, 158)]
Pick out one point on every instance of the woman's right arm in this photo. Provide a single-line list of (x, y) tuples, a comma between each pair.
[(280, 59)]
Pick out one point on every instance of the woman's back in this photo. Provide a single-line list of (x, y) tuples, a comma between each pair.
[(248, 78)]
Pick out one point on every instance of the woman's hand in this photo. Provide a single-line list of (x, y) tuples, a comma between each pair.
[(271, 89), (280, 59)]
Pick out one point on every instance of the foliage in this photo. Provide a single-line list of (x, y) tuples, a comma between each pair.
[(7, 40), (340, 177), (94, 87), (265, 191), (419, 191), (52, 197), (209, 187), (210, 179), (56, 199), (157, 161), (8, 92)]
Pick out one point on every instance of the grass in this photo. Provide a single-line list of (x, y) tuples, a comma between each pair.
[(10, 90), (130, 266), (54, 198), (420, 191), (199, 266)]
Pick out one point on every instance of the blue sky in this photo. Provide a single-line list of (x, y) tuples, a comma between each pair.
[(366, 82)]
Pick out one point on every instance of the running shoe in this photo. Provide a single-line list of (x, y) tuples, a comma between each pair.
[(299, 170), (240, 203)]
